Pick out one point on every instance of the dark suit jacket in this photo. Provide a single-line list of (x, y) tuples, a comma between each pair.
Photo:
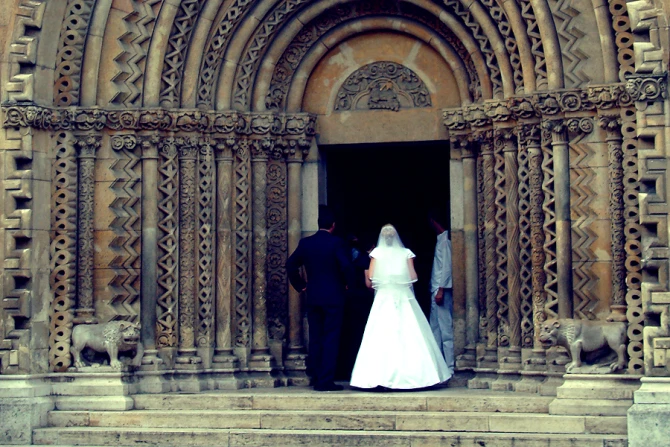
[(327, 268)]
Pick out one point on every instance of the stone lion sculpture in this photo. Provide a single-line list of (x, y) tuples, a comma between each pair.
[(579, 336), (111, 338)]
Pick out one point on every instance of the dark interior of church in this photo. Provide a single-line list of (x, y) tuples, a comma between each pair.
[(398, 183)]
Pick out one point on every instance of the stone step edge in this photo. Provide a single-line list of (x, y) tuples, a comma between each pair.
[(382, 433)]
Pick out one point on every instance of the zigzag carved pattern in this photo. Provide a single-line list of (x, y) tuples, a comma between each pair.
[(583, 237), (501, 245), (63, 250), (633, 246), (263, 36), (205, 334), (180, 36), (563, 13), (168, 206), (242, 219), (484, 44), (500, 19), (537, 49), (215, 48), (70, 52), (549, 227), (525, 277), (134, 46), (125, 285), (481, 254)]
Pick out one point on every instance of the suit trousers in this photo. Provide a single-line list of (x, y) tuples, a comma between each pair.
[(325, 326), (441, 323)]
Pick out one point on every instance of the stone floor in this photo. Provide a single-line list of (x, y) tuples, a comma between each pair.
[(284, 417)]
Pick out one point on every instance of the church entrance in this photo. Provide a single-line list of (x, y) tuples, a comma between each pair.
[(369, 185)]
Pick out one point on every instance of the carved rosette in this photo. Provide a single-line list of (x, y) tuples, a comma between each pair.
[(501, 239), (168, 224), (205, 332), (612, 125), (88, 145), (525, 258), (63, 249), (187, 229), (549, 225), (242, 244), (125, 285), (382, 85)]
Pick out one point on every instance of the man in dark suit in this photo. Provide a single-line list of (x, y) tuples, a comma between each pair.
[(327, 268)]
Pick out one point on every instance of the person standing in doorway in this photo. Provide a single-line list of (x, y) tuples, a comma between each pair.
[(441, 307), (327, 270)]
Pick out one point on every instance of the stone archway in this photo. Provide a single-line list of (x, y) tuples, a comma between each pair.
[(116, 112)]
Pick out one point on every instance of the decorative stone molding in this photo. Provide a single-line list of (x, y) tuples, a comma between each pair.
[(23, 50), (382, 85), (647, 87)]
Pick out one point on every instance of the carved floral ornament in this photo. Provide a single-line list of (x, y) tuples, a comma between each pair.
[(382, 86), (86, 119)]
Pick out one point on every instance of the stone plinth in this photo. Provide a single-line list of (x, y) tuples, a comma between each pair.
[(595, 394), (647, 418), (24, 405), (95, 389)]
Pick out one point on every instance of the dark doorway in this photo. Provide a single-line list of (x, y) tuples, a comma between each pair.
[(371, 185)]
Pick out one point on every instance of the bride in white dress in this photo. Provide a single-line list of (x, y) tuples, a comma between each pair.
[(398, 350)]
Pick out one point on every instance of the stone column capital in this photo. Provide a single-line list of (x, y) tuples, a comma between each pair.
[(88, 145), (123, 141), (149, 145), (188, 150), (612, 124)]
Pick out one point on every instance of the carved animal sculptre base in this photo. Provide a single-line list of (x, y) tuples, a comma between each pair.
[(579, 336)]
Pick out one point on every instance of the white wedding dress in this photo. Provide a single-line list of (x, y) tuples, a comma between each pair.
[(398, 350)]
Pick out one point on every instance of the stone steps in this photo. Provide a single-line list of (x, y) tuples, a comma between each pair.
[(165, 437), (300, 417), (342, 420)]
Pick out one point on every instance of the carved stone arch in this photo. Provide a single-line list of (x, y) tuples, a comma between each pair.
[(487, 37), (297, 86), (282, 59)]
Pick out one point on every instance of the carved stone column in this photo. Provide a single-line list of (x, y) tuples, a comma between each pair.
[(490, 359), (261, 360), (187, 271), (513, 358), (469, 157), (88, 145), (296, 357), (223, 355), (149, 145), (532, 136), (612, 124), (561, 155)]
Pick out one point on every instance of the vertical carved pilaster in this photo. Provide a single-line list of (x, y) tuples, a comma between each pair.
[(223, 355), (551, 306), (88, 145), (468, 155), (512, 236), (149, 145), (525, 258), (481, 247), (612, 124), (294, 161), (532, 135), (63, 250), (168, 265), (205, 242), (486, 143), (187, 271), (259, 161), (126, 226), (242, 249)]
